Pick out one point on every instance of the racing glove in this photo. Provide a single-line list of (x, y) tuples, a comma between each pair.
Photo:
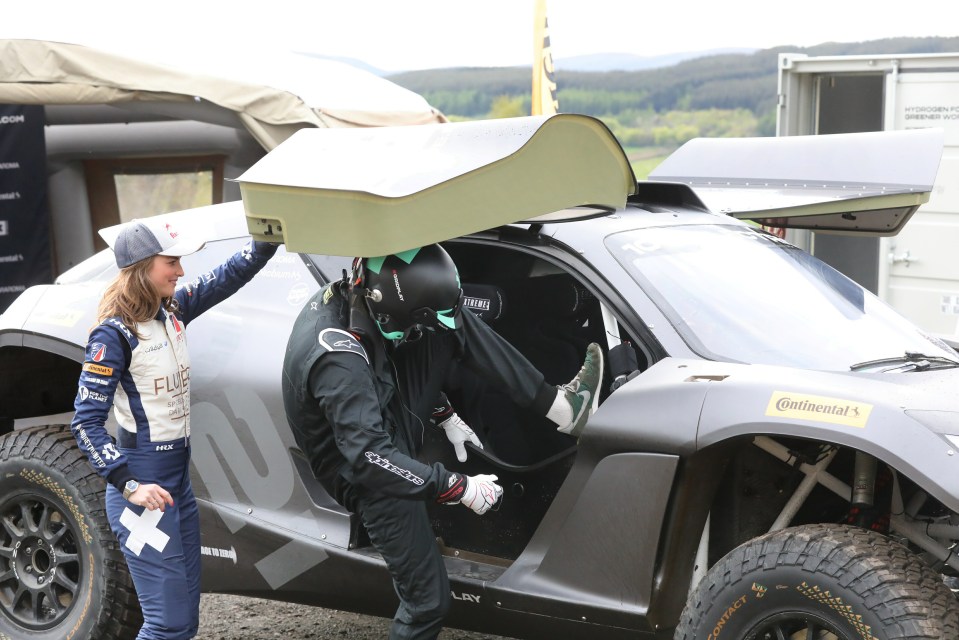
[(459, 433), (481, 493)]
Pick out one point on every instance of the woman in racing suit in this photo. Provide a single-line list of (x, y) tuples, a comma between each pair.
[(136, 361)]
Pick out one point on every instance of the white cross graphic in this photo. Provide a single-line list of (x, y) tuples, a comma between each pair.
[(143, 530)]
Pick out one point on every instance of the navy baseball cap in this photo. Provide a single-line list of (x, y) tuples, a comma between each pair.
[(142, 239)]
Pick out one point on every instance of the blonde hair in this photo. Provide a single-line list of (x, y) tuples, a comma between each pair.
[(133, 297)]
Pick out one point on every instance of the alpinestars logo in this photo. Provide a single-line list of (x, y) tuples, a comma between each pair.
[(392, 468)]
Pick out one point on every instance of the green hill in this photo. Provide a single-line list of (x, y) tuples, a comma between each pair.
[(652, 111), (727, 82)]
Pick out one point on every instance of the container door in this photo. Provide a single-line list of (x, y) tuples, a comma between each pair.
[(922, 262), (850, 104)]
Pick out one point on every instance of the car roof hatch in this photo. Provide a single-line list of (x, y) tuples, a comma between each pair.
[(851, 183), (370, 192)]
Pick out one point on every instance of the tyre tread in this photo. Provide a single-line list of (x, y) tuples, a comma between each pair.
[(894, 584)]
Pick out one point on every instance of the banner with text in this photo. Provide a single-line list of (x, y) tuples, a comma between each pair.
[(929, 100), (24, 212)]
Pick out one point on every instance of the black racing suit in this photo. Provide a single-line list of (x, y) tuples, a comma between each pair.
[(358, 409)]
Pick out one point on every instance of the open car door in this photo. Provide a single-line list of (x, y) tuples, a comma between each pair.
[(371, 192)]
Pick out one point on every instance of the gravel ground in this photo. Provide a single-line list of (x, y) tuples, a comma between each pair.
[(225, 617)]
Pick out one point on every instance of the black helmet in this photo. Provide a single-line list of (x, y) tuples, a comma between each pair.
[(415, 287)]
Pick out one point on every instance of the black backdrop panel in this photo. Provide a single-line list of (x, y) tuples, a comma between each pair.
[(24, 210)]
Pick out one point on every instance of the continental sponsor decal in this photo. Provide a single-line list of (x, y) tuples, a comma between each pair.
[(800, 406), (98, 368)]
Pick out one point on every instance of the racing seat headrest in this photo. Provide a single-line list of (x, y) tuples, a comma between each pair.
[(557, 296), (485, 300)]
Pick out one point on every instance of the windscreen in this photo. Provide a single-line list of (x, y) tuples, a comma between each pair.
[(735, 293)]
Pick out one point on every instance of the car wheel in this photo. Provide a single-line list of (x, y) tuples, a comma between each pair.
[(62, 575), (820, 581)]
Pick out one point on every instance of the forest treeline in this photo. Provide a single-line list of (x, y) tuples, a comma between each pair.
[(717, 95)]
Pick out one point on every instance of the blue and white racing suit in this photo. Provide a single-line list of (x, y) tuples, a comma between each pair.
[(146, 380)]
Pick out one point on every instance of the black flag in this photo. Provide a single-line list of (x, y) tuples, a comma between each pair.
[(24, 212)]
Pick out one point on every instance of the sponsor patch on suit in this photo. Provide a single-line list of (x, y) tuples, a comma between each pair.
[(340, 340)]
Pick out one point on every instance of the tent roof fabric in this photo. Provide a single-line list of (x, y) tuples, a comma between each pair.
[(273, 95)]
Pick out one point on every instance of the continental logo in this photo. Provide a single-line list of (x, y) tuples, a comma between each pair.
[(800, 406), (98, 368)]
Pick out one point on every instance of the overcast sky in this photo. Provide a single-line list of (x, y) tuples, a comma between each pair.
[(418, 34)]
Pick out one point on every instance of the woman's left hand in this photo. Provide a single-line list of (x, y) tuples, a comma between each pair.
[(151, 496)]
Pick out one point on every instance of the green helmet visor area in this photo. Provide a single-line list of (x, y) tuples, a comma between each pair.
[(445, 319)]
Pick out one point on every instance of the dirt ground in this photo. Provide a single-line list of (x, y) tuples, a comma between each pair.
[(238, 618)]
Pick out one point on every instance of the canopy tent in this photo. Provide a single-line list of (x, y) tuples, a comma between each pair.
[(112, 122), (272, 94)]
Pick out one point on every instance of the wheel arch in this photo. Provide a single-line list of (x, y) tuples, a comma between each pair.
[(764, 469), (38, 377), (694, 490), (746, 498), (896, 438)]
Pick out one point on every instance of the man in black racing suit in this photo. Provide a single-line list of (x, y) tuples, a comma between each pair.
[(363, 370)]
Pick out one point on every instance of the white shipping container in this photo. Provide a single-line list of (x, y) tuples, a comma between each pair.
[(917, 271)]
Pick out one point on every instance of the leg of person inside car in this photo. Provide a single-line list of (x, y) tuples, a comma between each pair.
[(364, 367), (483, 351)]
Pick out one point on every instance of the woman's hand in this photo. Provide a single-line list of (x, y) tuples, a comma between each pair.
[(151, 496)]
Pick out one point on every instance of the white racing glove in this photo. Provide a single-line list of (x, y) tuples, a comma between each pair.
[(458, 433), (481, 493)]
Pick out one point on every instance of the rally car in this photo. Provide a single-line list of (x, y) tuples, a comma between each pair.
[(773, 456)]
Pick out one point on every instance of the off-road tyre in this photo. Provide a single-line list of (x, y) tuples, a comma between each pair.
[(62, 574), (843, 582)]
